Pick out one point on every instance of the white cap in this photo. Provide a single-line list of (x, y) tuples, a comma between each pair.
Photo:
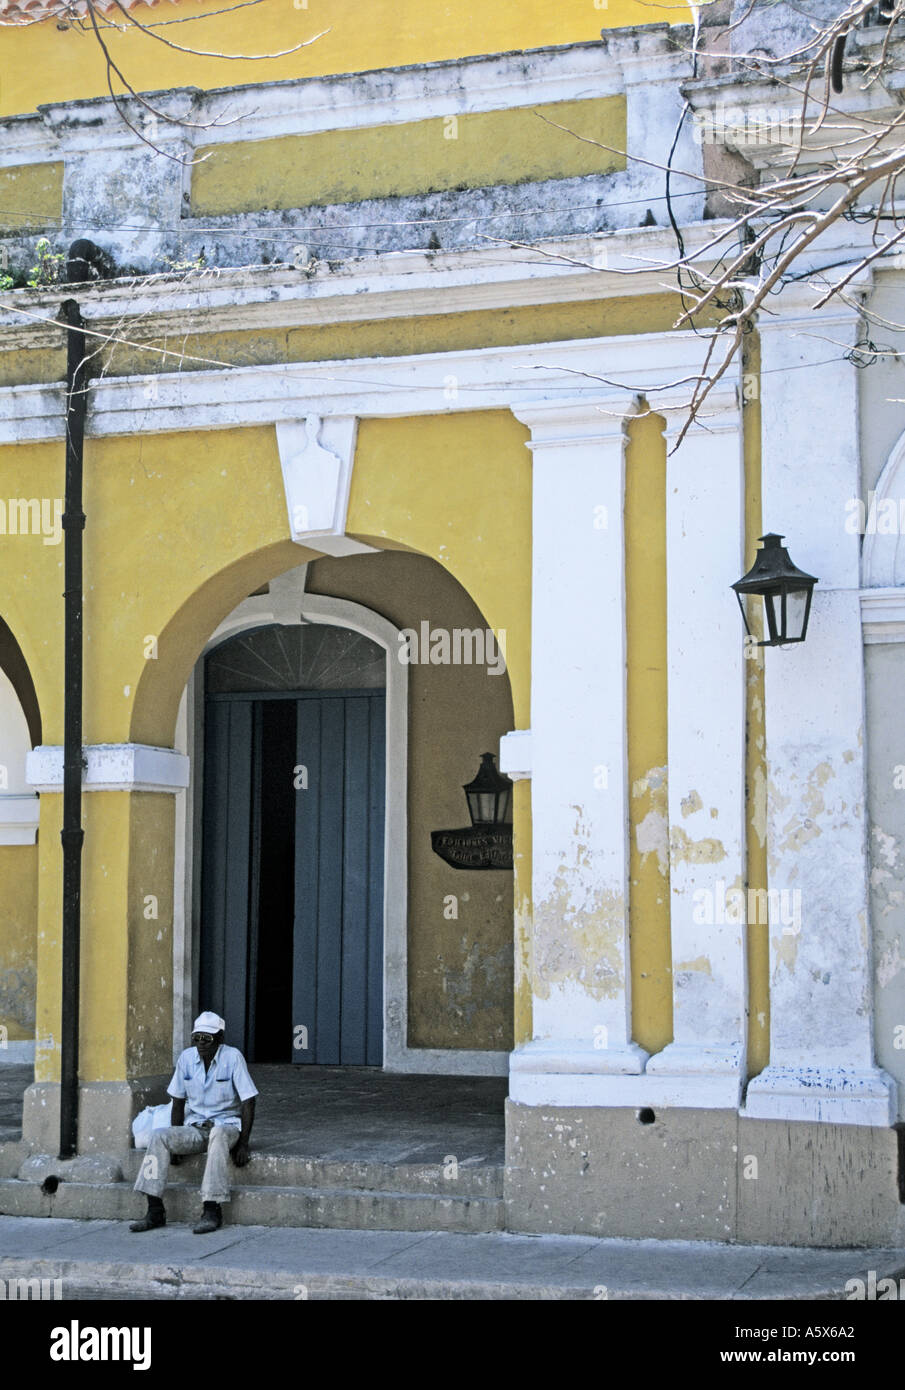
[(208, 1023)]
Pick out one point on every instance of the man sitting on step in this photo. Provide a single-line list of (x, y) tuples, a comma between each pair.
[(213, 1109)]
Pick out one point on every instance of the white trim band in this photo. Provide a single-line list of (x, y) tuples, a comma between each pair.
[(515, 754), (111, 767), (19, 816)]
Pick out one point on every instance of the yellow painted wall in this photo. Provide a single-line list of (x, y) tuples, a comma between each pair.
[(457, 488), (149, 1025), (31, 195), (18, 926), (126, 1004), (49, 952), (646, 691), (467, 151), (41, 63), (460, 952), (106, 817)]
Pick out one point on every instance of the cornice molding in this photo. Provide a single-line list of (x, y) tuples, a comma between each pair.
[(593, 376), (882, 615)]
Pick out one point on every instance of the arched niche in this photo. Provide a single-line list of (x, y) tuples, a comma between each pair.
[(882, 517)]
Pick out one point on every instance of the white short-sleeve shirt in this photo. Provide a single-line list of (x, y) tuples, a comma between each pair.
[(217, 1094)]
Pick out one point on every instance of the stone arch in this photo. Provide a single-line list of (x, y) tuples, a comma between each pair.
[(15, 668), (188, 631), (883, 554), (288, 601)]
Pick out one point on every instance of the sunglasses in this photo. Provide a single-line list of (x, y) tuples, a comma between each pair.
[(203, 1037)]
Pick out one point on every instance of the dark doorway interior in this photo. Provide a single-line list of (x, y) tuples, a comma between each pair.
[(291, 949), (275, 888)]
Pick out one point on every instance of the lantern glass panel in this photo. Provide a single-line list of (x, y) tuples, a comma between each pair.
[(482, 805), (773, 613), (796, 609), (504, 811)]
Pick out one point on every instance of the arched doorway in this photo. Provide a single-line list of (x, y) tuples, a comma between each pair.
[(292, 890)]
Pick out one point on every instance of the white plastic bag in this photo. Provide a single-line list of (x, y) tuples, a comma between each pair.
[(151, 1118)]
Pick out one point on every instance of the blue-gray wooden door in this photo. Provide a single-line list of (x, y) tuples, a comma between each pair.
[(337, 984), (337, 874)]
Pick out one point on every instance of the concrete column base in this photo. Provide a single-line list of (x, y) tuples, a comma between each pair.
[(692, 1174), (106, 1112)]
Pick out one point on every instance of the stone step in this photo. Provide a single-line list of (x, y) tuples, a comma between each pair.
[(279, 1170), (344, 1208)]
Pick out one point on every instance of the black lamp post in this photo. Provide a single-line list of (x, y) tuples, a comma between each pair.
[(785, 589), (489, 795)]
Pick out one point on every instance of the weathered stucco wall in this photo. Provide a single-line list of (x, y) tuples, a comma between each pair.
[(460, 949)]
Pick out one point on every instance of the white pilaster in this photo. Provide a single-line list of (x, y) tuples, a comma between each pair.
[(821, 1006), (706, 722), (581, 1003)]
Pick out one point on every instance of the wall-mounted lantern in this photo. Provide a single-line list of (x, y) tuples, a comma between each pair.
[(785, 589), (487, 842), (489, 795)]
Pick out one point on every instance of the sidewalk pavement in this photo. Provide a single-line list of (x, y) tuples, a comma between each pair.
[(104, 1260)]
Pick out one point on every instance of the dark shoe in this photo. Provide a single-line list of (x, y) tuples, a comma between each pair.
[(211, 1220), (156, 1216)]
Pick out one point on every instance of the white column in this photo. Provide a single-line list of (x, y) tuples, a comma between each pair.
[(706, 723), (821, 1004), (582, 1016)]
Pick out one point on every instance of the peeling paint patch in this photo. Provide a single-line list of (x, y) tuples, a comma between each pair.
[(890, 964), (652, 837), (580, 928), (691, 803), (885, 847), (786, 951), (701, 964), (652, 829), (684, 850), (17, 996)]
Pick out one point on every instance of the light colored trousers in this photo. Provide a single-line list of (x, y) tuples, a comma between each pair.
[(189, 1139)]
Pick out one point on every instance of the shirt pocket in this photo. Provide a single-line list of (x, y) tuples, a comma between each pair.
[(224, 1092)]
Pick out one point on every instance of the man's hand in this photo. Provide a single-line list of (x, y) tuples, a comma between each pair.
[(177, 1118), (239, 1153)]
